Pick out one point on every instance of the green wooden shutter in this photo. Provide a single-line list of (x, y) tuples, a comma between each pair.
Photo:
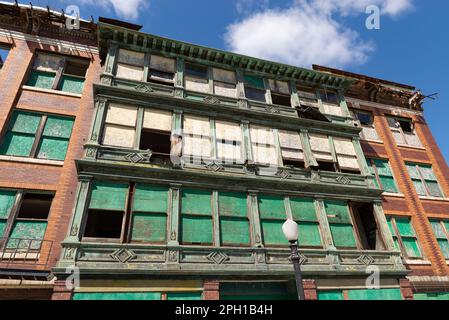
[(385, 175), (2, 227), (303, 212), (7, 198), (393, 233), (19, 139), (408, 237), (196, 202), (24, 230), (371, 170), (196, 219), (442, 239), (117, 296), (148, 198), (108, 195), (55, 138), (271, 207), (72, 84), (340, 224), (184, 295), (375, 294), (431, 181), (41, 79), (416, 179), (330, 295), (234, 223), (232, 204), (272, 232)]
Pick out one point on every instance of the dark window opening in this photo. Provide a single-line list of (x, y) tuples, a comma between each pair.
[(366, 226), (329, 97), (158, 142), (354, 171), (326, 166), (104, 224), (406, 125), (312, 113), (4, 51), (196, 71), (281, 99), (76, 68), (161, 77), (255, 94), (293, 163), (364, 118), (35, 206)]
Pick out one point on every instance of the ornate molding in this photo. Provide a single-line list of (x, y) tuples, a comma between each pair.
[(143, 88), (366, 259), (283, 174), (123, 255), (211, 100), (218, 257), (214, 166), (136, 157), (343, 180), (271, 109)]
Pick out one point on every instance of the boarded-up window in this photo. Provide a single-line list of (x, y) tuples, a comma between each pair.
[(234, 223), (196, 78), (157, 120), (272, 216), (22, 135), (117, 296), (346, 155), (441, 231), (196, 217), (197, 141), (130, 65), (149, 213), (404, 236), (321, 148), (161, 70), (229, 140), (224, 82), (255, 88), (340, 224), (307, 96), (7, 198), (303, 212), (280, 92), (403, 131), (44, 71), (331, 102), (426, 184), (120, 125), (263, 145), (291, 148), (384, 176), (366, 120)]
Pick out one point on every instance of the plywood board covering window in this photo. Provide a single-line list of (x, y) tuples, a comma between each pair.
[(196, 78), (229, 140), (272, 215), (234, 222), (130, 65), (157, 120), (303, 212), (224, 82), (161, 69), (320, 146), (264, 148), (366, 120), (384, 176), (346, 155), (196, 217), (291, 146), (340, 223), (120, 125), (196, 137)]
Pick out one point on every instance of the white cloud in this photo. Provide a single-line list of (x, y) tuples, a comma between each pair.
[(308, 32), (126, 9)]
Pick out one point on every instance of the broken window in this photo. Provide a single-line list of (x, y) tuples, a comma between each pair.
[(346, 156), (340, 223), (130, 65), (58, 72), (234, 222), (280, 92), (369, 235), (441, 231), (196, 78), (304, 213), (196, 138), (161, 70), (156, 134), (255, 88), (425, 181), (225, 83), (403, 132), (307, 96), (384, 176), (404, 236), (23, 218), (196, 217), (322, 152), (263, 145), (272, 216), (37, 135), (331, 102), (366, 120), (228, 137), (291, 149), (4, 51)]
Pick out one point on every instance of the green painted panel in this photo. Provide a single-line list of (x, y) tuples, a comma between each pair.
[(309, 234), (432, 296), (17, 144), (434, 189), (232, 204), (427, 173), (149, 227), (390, 225), (444, 246), (272, 232), (72, 84), (330, 295), (438, 229), (52, 148), (337, 211), (7, 198), (117, 296), (2, 227), (108, 195), (196, 201), (388, 184), (184, 295), (196, 229), (303, 209), (58, 127), (271, 207), (383, 168), (27, 230), (254, 81), (375, 294), (370, 165), (343, 235), (419, 186), (234, 230), (148, 198), (405, 227), (24, 122), (411, 247), (412, 171), (41, 79), (446, 224)]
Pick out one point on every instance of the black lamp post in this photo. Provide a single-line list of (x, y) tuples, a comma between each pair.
[(290, 230)]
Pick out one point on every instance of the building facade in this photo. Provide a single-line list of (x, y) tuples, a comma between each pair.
[(183, 162)]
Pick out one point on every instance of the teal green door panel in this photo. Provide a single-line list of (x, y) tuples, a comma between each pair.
[(184, 295), (117, 296)]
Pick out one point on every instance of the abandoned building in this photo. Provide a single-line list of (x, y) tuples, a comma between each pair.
[(139, 167)]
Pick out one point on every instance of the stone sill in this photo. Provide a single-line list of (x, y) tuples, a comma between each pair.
[(373, 141), (418, 262), (395, 195), (434, 198), (410, 147), (57, 92), (32, 160), (24, 257)]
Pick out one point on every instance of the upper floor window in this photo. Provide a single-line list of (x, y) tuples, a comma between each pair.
[(130, 65), (331, 102), (404, 236), (4, 51), (255, 88), (37, 135), (197, 138), (384, 176), (291, 149), (426, 184), (280, 92), (196, 78), (23, 219), (441, 231), (229, 140), (403, 131), (225, 82), (263, 145), (307, 96), (366, 120), (196, 217), (161, 70), (58, 72)]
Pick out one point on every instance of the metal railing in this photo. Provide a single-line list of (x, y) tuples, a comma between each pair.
[(20, 251)]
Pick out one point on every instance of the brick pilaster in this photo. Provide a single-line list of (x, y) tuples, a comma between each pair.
[(211, 290), (310, 290), (60, 291), (406, 289)]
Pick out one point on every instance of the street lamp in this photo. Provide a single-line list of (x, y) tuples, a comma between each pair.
[(290, 230)]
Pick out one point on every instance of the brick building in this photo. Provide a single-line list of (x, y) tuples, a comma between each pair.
[(183, 162)]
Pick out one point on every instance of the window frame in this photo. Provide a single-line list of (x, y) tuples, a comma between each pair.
[(4, 47), (371, 125), (377, 175), (442, 223), (399, 130), (423, 180), (391, 220)]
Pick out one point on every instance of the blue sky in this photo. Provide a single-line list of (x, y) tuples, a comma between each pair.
[(410, 47)]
